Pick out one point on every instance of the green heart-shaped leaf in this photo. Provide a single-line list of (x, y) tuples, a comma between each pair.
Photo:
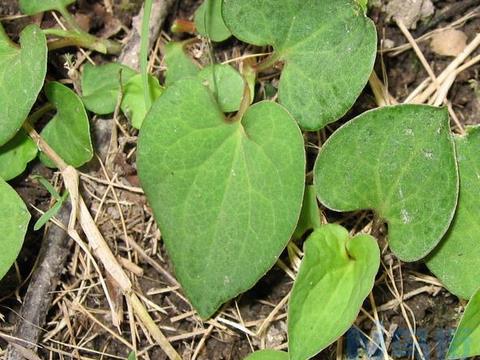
[(336, 275), (329, 49), (22, 71), (209, 21), (179, 65), (459, 251), (226, 195), (466, 342), (133, 101), (268, 355), (16, 154), (14, 219), (224, 81), (68, 133), (32, 7), (101, 86), (226, 84), (400, 162)]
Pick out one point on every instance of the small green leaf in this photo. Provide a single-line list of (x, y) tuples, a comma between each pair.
[(50, 213), (32, 7), (310, 214), (209, 21), (22, 71), (329, 49), (179, 65), (268, 355), (16, 154), (459, 251), (400, 162), (14, 218), (336, 275), (226, 84), (466, 342), (132, 356), (226, 195), (68, 133), (133, 103), (101, 86)]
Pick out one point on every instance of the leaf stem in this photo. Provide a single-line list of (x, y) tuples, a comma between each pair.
[(147, 11), (32, 119), (81, 39), (245, 104), (268, 63)]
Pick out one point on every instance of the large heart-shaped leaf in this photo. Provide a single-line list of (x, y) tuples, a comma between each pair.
[(400, 162), (68, 133), (209, 21), (22, 71), (466, 342), (16, 154), (268, 355), (329, 49), (101, 86), (14, 218), (32, 7), (336, 275), (458, 254), (226, 195)]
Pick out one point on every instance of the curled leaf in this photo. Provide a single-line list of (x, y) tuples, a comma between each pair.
[(336, 275)]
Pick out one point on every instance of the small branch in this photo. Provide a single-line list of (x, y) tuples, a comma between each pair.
[(37, 300)]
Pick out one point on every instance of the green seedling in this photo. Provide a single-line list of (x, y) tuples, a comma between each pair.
[(226, 178)]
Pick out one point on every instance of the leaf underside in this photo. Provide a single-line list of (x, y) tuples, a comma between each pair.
[(14, 218), (336, 275), (328, 47), (68, 133), (458, 254), (22, 71), (226, 195), (400, 162)]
